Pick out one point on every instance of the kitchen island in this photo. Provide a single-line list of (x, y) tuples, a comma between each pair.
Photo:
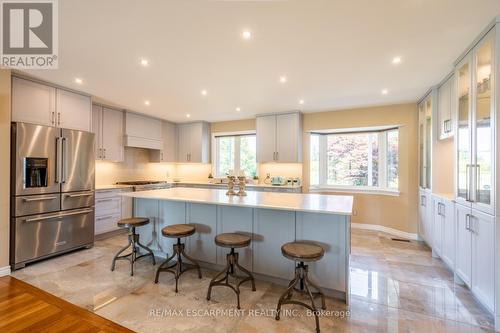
[(272, 219)]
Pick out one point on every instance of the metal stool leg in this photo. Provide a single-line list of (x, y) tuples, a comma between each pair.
[(231, 263), (178, 268), (301, 278), (118, 257)]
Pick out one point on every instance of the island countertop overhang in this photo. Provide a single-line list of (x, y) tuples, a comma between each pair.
[(300, 202)]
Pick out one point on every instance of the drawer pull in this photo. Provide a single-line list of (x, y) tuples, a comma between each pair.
[(79, 195), (104, 217), (38, 199), (35, 219), (105, 200)]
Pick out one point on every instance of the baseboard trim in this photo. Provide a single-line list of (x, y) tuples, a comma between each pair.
[(391, 231), (4, 271)]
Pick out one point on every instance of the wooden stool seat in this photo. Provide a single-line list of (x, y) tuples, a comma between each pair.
[(133, 222), (232, 240), (178, 230), (302, 251)]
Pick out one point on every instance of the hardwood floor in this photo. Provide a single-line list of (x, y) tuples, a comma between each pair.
[(24, 308)]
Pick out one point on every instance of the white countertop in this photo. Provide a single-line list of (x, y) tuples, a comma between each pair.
[(315, 203), (225, 184)]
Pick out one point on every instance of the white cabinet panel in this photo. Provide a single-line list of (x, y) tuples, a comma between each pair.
[(326, 229), (483, 257), (238, 220), (266, 138), (422, 216), (288, 138), (445, 114), (97, 129), (112, 135), (33, 102), (193, 143), (73, 110), (169, 139), (201, 245), (437, 228), (268, 259), (448, 252), (464, 244)]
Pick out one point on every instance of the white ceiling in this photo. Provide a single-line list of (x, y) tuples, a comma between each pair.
[(335, 54)]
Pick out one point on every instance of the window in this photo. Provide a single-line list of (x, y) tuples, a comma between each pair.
[(358, 160), (235, 152)]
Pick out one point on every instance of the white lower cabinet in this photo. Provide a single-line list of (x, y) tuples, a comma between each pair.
[(448, 249), (201, 245), (463, 259), (268, 259), (437, 226), (110, 207), (424, 211), (482, 229), (475, 252)]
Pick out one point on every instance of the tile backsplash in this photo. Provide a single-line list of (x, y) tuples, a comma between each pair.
[(136, 166)]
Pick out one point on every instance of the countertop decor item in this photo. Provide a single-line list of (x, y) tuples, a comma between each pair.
[(241, 186), (230, 185)]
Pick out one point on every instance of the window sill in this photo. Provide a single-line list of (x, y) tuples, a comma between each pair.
[(363, 190)]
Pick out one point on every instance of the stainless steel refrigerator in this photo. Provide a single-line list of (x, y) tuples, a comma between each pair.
[(52, 192)]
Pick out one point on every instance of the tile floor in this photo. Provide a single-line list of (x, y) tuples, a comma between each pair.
[(395, 287)]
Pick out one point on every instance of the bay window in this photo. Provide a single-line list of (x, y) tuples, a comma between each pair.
[(356, 160)]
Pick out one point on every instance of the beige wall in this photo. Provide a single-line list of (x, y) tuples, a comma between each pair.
[(395, 212), (398, 212), (4, 166), (443, 166)]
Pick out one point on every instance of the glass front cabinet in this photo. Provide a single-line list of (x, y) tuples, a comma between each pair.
[(474, 130), (425, 140)]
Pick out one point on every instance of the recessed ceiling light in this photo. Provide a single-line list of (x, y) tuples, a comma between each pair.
[(246, 34), (385, 91), (147, 102), (145, 62), (283, 79), (238, 109), (301, 101), (78, 80), (188, 115), (204, 92), (396, 60)]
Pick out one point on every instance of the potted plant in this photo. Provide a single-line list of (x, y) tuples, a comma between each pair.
[(255, 179)]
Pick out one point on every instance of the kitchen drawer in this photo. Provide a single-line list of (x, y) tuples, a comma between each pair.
[(108, 206), (99, 194), (106, 223), (45, 234), (77, 200), (37, 204)]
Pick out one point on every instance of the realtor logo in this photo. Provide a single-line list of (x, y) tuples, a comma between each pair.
[(28, 34)]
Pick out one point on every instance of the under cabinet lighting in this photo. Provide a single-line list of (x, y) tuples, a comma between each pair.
[(188, 115), (238, 109), (204, 92), (246, 34), (283, 79), (385, 91), (78, 80), (396, 60), (144, 62), (147, 102), (301, 102)]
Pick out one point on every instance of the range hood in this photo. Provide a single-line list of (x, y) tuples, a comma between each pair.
[(142, 131)]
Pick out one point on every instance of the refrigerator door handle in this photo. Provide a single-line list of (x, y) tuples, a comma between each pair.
[(63, 159), (35, 219), (58, 160)]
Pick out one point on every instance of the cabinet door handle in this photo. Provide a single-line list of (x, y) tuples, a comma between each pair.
[(277, 156), (53, 119), (59, 119), (104, 150), (467, 222)]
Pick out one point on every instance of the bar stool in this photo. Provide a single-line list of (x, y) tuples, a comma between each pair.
[(301, 252), (232, 241), (178, 231), (133, 240)]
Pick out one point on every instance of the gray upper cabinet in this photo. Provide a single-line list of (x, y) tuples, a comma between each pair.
[(41, 104), (169, 138), (33, 102), (73, 110), (193, 143), (279, 138), (107, 125), (446, 100)]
